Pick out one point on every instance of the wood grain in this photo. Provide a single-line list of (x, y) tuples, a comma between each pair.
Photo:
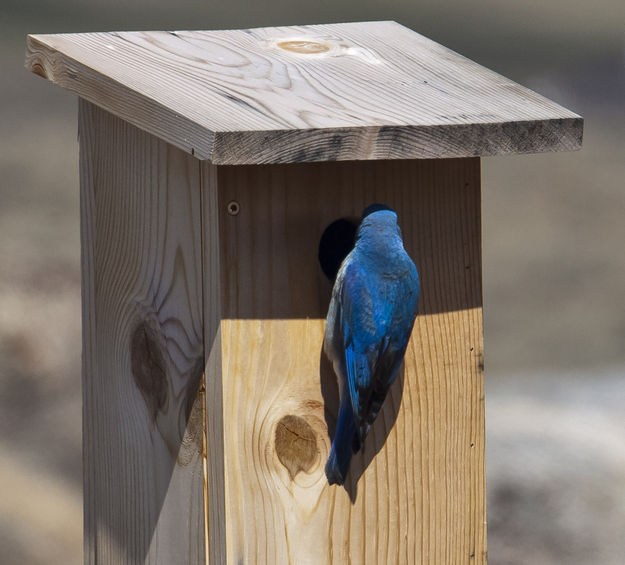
[(416, 494), (373, 90), (216, 423), (174, 284), (143, 356)]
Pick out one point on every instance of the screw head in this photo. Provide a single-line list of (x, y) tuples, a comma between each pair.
[(233, 207)]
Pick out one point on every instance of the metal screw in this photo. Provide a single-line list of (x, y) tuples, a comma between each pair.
[(233, 208)]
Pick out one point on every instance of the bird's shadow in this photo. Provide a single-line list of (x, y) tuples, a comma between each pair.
[(376, 438)]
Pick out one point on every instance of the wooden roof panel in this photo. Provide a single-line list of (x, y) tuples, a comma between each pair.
[(371, 90)]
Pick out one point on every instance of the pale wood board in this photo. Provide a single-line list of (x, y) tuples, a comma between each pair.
[(369, 90), (143, 355), (421, 498)]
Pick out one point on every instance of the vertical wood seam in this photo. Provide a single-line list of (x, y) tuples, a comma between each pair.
[(212, 267), (203, 385)]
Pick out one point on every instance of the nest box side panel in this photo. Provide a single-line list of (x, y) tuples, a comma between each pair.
[(416, 493), (143, 352)]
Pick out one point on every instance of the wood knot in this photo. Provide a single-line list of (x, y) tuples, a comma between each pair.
[(296, 444), (148, 368), (304, 47), (39, 69)]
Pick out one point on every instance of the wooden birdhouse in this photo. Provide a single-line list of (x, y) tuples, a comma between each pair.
[(211, 165)]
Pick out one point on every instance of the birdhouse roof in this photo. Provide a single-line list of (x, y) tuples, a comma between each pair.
[(372, 90)]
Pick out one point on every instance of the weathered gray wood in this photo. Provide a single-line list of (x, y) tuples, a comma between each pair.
[(143, 354), (374, 90), (216, 420)]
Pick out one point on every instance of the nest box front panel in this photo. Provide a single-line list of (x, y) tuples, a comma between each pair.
[(415, 493)]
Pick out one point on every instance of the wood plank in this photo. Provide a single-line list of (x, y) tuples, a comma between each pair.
[(416, 494), (215, 422), (143, 355), (372, 90)]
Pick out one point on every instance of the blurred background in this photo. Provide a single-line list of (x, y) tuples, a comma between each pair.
[(554, 270)]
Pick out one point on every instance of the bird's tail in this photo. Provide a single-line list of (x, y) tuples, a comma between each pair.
[(342, 445)]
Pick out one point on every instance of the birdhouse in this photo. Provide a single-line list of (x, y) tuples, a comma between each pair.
[(212, 166)]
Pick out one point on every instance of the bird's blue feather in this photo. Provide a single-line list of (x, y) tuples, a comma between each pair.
[(373, 307), (342, 446)]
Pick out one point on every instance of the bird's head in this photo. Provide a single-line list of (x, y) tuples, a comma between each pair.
[(379, 222), (379, 217), (373, 208)]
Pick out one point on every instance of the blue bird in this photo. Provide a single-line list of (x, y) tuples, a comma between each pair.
[(370, 318)]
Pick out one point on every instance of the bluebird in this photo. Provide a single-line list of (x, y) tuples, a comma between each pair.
[(370, 318)]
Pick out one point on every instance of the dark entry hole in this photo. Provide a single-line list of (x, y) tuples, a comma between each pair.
[(336, 242)]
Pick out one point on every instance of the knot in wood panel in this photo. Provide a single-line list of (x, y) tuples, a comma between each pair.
[(296, 444), (304, 46), (148, 368)]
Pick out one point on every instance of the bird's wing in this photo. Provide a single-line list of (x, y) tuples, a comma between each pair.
[(374, 340)]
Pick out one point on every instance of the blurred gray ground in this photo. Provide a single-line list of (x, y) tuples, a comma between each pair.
[(554, 272)]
